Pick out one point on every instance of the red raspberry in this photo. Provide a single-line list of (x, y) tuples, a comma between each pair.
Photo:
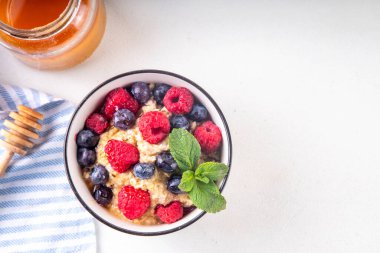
[(132, 202), (121, 155), (154, 126), (178, 100), (170, 213), (97, 123), (209, 136), (117, 99)]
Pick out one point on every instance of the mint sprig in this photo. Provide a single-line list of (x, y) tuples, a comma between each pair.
[(199, 183), (213, 171), (184, 148), (207, 197), (187, 181)]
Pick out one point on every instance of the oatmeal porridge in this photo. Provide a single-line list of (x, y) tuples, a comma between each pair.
[(125, 155)]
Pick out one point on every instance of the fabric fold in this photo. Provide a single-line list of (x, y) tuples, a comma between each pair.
[(38, 210)]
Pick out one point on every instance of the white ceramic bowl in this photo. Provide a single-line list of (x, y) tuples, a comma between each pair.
[(91, 102)]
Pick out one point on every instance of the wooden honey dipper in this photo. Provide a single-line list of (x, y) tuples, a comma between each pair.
[(17, 138)]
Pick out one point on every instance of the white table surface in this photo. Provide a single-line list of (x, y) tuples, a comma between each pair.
[(299, 84)]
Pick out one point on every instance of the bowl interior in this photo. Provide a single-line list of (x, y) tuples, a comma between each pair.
[(93, 101)]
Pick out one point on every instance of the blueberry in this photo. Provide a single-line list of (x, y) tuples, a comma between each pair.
[(86, 157), (198, 113), (179, 121), (173, 183), (166, 162), (143, 170), (141, 92), (123, 119), (102, 194), (188, 209), (87, 139), (99, 174), (159, 92)]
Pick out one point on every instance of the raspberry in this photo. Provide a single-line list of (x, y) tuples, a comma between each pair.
[(121, 155), (117, 99), (154, 126), (97, 123), (178, 100), (209, 136), (170, 213), (132, 202)]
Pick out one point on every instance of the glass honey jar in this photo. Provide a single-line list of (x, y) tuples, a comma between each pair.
[(47, 34)]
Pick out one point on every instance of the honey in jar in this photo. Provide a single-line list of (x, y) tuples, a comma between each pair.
[(29, 14), (49, 34)]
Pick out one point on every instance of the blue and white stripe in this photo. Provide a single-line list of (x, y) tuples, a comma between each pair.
[(38, 211)]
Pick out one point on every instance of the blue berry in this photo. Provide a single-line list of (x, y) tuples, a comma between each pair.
[(123, 119), (99, 174), (173, 183), (198, 113), (159, 92), (86, 157), (188, 209), (87, 139), (141, 92), (143, 170), (166, 162), (179, 121), (102, 194)]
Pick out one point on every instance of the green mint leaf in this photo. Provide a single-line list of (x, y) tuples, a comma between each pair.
[(207, 197), (202, 179), (212, 170), (187, 181), (184, 148)]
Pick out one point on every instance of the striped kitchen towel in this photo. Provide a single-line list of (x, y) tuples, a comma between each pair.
[(38, 211)]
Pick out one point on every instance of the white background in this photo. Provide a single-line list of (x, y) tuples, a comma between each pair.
[(299, 84)]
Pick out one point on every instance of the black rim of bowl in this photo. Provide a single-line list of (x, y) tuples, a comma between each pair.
[(229, 142)]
